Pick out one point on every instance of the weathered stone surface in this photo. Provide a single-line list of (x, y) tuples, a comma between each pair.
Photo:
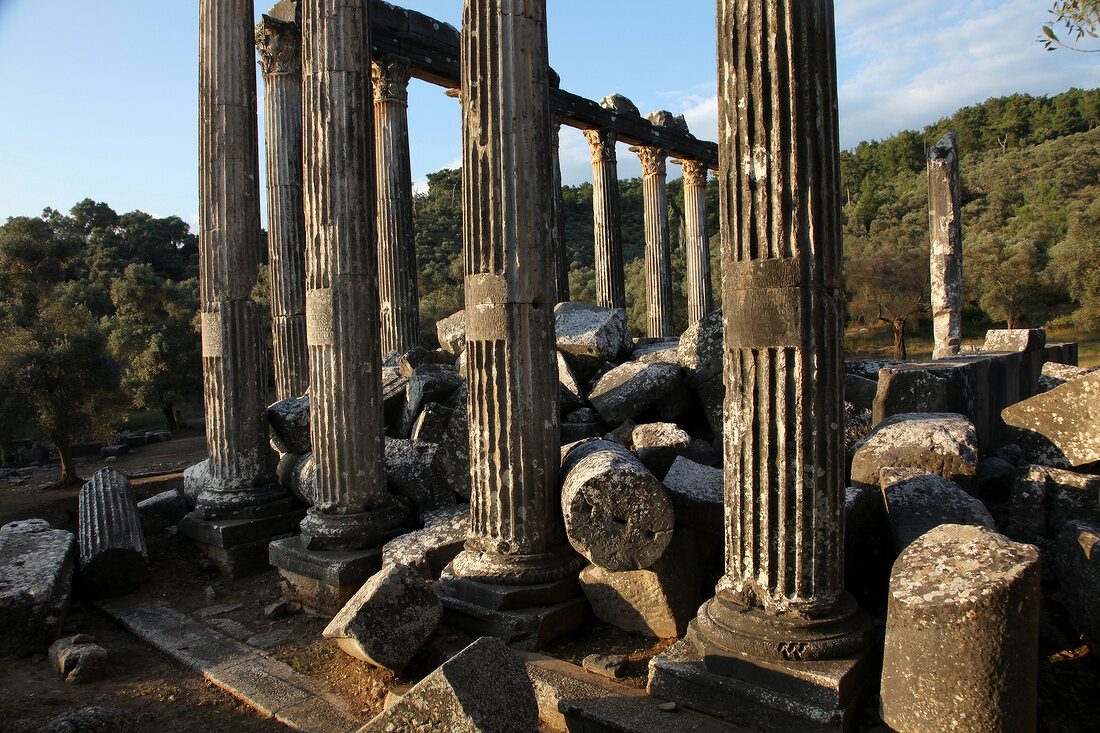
[(36, 568), (700, 352), (1078, 561), (1032, 448), (415, 470), (1066, 415), (455, 446), (658, 261), (917, 501), (857, 426), (659, 444), (1055, 375), (581, 424), (431, 424), (162, 511), (570, 396), (868, 368), (1043, 499), (94, 719), (945, 230), (298, 474), (429, 550), (428, 383), (936, 387), (620, 104), (288, 420), (1015, 339), (387, 621), (962, 633), (940, 443), (605, 665), (632, 388), (451, 332), (114, 559), (696, 240), (660, 349), (589, 336), (606, 219), (414, 357), (394, 386), (860, 391), (78, 659), (696, 492), (712, 397), (616, 513)]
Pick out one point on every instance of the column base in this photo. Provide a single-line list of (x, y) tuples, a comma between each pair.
[(213, 502), (238, 546), (330, 532), (322, 581)]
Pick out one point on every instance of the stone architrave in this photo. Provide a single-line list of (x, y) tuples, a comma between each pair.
[(516, 534), (945, 227), (279, 40), (658, 259), (697, 241), (557, 217), (353, 508), (781, 602), (236, 481), (397, 273), (607, 223)]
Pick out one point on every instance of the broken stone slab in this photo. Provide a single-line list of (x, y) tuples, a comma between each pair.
[(428, 383), (605, 665), (485, 688), (162, 511), (631, 388), (616, 513), (620, 435), (37, 564), (697, 494), (620, 104), (1015, 339), (452, 332), (114, 559), (1067, 416), (78, 659), (589, 336), (414, 470), (288, 423), (1043, 499), (93, 719), (659, 444), (1078, 561), (942, 443), (570, 397), (962, 633), (431, 424), (657, 349), (1033, 448), (918, 501), (389, 619), (700, 352), (1055, 374), (429, 550), (418, 355)]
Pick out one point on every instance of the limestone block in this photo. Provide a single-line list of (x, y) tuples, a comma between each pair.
[(393, 395), (78, 659), (452, 332), (36, 565), (657, 349), (589, 336), (917, 501), (1067, 416), (570, 396), (616, 513), (712, 397), (1015, 339), (962, 634), (414, 469), (946, 385), (631, 388), (940, 443), (428, 550), (387, 621), (162, 511), (1055, 374), (114, 559), (431, 424), (1043, 499), (288, 423), (700, 352), (659, 444), (484, 688), (1078, 562), (581, 424), (697, 493), (428, 383)]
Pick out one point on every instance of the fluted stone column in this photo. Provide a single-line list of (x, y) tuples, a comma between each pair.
[(516, 534), (658, 259), (279, 43), (945, 229), (782, 596), (557, 217), (353, 508), (397, 274), (607, 224), (236, 480), (696, 240)]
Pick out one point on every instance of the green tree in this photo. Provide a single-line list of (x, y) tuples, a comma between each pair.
[(1076, 259)]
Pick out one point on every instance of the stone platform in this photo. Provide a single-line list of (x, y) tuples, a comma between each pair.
[(321, 581), (239, 546)]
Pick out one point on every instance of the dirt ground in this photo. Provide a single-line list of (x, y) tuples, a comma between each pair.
[(165, 696)]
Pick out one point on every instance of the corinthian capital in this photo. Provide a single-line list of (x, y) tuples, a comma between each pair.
[(695, 172), (280, 45), (653, 160), (391, 79), (602, 143)]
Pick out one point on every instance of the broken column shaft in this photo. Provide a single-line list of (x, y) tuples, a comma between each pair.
[(607, 225), (397, 274), (697, 243), (658, 259), (945, 230)]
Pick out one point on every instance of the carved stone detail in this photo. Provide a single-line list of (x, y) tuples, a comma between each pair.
[(390, 76), (280, 45), (607, 227), (602, 144)]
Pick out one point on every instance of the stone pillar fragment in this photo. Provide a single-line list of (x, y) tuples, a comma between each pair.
[(353, 508), (397, 274), (697, 241), (114, 559), (607, 224), (278, 39), (945, 230), (658, 259), (557, 217)]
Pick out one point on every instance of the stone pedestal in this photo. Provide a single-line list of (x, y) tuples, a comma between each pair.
[(697, 241), (516, 542), (945, 230), (607, 224), (321, 581), (658, 259)]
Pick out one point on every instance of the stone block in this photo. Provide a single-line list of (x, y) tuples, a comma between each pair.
[(581, 424), (431, 424), (860, 391), (1067, 416), (1056, 374), (452, 332), (485, 688), (428, 383), (945, 385), (418, 355), (962, 633), (1043, 499), (868, 368), (394, 386), (570, 395), (940, 443), (429, 550), (1015, 339), (414, 469), (524, 628), (455, 446), (631, 388), (78, 659), (1078, 561), (321, 581), (37, 564), (657, 350), (918, 501), (712, 397), (297, 473), (697, 494), (589, 336), (994, 479), (387, 620), (700, 351), (162, 511), (659, 444), (288, 423)]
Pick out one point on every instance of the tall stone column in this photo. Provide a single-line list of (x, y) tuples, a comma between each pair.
[(658, 259), (236, 481), (945, 229), (516, 536), (354, 508), (781, 602), (697, 241), (607, 224), (557, 217), (278, 40), (397, 273)]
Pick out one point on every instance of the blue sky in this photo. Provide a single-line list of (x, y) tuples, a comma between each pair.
[(100, 99)]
